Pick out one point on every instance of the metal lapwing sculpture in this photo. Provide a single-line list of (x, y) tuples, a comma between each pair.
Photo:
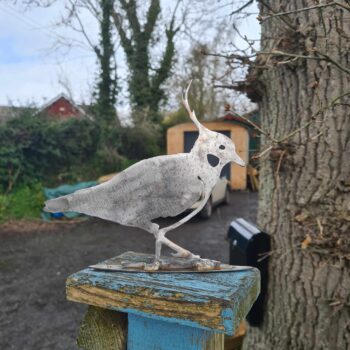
[(158, 187)]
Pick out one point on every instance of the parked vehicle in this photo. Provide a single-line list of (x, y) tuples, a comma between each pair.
[(220, 194)]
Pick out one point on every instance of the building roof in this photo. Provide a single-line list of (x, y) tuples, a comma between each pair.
[(10, 112), (58, 97), (232, 116)]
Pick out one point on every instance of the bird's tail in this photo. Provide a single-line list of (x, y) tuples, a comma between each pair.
[(57, 205)]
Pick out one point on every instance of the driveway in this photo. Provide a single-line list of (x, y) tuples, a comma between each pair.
[(36, 258)]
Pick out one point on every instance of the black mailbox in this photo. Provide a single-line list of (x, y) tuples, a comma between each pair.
[(249, 246)]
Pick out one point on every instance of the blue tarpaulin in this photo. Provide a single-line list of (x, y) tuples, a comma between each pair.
[(63, 190)]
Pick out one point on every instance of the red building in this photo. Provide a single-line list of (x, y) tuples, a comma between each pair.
[(62, 107)]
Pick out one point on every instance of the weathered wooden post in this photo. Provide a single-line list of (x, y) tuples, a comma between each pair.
[(163, 311)]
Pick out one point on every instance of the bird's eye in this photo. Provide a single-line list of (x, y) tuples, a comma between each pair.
[(222, 147)]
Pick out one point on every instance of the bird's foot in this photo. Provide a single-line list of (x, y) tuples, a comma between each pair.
[(185, 254), (206, 264), (180, 262), (154, 266), (196, 261), (191, 261)]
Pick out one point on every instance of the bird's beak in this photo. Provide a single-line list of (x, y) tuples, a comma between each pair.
[(236, 159)]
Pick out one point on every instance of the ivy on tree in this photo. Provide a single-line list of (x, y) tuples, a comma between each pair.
[(145, 88), (107, 85)]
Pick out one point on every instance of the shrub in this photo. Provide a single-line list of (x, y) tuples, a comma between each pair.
[(37, 149), (33, 148), (139, 142)]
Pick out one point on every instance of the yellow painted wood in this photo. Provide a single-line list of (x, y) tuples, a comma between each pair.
[(103, 329), (162, 311), (216, 301)]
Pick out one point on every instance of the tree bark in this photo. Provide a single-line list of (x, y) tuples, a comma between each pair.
[(305, 181)]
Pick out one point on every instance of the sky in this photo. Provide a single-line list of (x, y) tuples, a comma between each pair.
[(33, 70)]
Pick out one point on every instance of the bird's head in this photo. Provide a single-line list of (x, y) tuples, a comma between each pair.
[(216, 147)]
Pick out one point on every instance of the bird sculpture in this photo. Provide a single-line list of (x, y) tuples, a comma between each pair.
[(158, 187)]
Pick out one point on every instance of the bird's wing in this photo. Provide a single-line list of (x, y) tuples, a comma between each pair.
[(156, 187)]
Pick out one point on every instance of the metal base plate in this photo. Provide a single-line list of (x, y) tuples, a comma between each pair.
[(139, 262)]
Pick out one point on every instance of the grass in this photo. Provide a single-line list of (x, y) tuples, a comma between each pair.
[(26, 202)]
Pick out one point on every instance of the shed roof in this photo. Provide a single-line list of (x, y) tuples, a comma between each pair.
[(235, 117)]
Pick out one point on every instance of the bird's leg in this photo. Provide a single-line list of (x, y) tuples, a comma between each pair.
[(159, 235), (190, 260), (154, 229), (158, 246), (194, 261), (153, 266), (180, 252)]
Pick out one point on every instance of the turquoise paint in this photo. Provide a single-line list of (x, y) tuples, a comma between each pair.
[(146, 333), (230, 290), (229, 320), (195, 287)]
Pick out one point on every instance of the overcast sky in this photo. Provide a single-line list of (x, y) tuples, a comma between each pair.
[(30, 71)]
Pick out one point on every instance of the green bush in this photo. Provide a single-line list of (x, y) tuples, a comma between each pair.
[(174, 118), (33, 148), (140, 142)]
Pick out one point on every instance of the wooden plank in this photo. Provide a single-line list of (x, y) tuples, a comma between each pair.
[(216, 301), (103, 329), (146, 333)]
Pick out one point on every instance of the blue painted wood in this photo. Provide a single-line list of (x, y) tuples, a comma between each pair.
[(213, 301), (146, 333)]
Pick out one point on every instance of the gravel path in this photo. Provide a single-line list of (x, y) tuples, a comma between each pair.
[(35, 260)]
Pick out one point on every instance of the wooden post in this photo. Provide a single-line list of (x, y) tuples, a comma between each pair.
[(163, 311)]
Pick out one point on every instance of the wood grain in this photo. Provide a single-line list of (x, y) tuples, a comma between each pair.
[(215, 301), (103, 329)]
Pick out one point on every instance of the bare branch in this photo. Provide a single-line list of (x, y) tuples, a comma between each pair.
[(92, 8), (82, 29), (242, 7), (275, 142), (331, 4), (331, 60), (323, 57), (257, 127), (290, 25), (244, 59)]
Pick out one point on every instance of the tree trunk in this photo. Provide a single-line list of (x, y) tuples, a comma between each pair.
[(305, 181)]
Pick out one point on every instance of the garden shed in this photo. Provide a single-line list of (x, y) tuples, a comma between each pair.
[(181, 138)]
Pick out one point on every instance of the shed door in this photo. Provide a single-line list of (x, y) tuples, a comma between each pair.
[(190, 138)]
